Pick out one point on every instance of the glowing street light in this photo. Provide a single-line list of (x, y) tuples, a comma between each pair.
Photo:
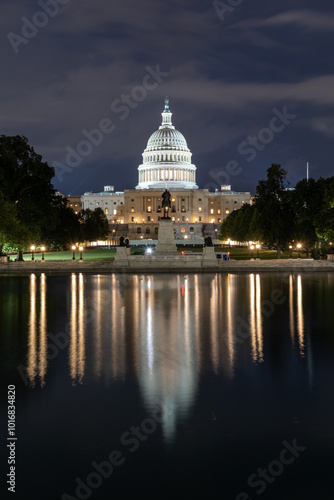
[(73, 248), (32, 248), (257, 251), (290, 256), (81, 249), (252, 248), (43, 250), (299, 247)]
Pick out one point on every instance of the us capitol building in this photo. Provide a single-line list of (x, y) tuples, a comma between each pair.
[(135, 213)]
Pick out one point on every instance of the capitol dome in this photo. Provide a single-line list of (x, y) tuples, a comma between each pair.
[(167, 159)]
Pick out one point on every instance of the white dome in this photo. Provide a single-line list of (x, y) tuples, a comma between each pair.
[(167, 159), (167, 138)]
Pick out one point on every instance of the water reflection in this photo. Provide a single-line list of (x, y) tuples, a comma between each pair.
[(77, 329), (164, 329), (256, 318), (296, 320), (37, 333)]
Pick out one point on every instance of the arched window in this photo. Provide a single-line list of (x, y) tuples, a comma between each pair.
[(183, 229), (191, 230), (138, 230)]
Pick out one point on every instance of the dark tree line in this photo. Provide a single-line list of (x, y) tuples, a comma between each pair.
[(281, 216), (31, 210)]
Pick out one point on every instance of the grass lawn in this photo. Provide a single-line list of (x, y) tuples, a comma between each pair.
[(99, 254), (89, 255)]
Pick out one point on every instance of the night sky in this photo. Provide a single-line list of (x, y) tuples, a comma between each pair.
[(230, 73)]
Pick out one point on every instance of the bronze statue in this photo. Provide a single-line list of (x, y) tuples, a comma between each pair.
[(166, 204)]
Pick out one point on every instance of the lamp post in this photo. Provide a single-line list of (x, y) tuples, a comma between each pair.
[(290, 256), (73, 249), (299, 247), (252, 248), (81, 249), (257, 252), (43, 250), (32, 248)]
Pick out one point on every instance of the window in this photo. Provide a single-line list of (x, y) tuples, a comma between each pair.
[(199, 219), (199, 199), (114, 202), (235, 202), (149, 209), (132, 219), (97, 203), (132, 209), (138, 230), (191, 230), (219, 220), (106, 211), (148, 218), (227, 211), (211, 211), (218, 211), (156, 230), (200, 209), (121, 203), (183, 229), (183, 218), (115, 211), (132, 200), (183, 209), (106, 203), (148, 231)]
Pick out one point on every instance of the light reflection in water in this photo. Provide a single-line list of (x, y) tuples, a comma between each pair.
[(37, 335), (296, 319), (255, 321), (77, 330), (161, 326), (300, 316)]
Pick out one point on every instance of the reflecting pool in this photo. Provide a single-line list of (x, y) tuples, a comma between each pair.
[(170, 385)]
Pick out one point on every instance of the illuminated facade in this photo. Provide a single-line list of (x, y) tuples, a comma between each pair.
[(135, 213)]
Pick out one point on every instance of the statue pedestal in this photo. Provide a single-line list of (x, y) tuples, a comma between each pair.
[(166, 243), (121, 258), (209, 257)]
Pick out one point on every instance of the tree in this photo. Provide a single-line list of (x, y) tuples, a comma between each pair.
[(242, 225), (13, 235), (95, 225), (26, 181), (67, 228), (273, 202)]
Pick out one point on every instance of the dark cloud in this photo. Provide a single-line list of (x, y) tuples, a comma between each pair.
[(225, 79)]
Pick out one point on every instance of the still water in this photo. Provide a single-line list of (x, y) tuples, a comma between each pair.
[(169, 386)]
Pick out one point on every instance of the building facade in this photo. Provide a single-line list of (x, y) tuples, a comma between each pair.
[(135, 213)]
